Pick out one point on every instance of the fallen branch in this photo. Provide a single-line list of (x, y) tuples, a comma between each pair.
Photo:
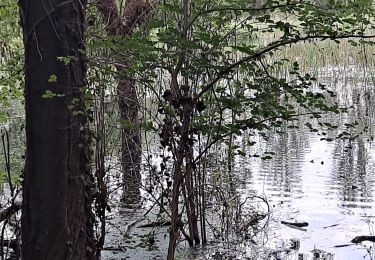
[(156, 223), (344, 245), (360, 239), (295, 227), (296, 224), (334, 225), (130, 225), (112, 248)]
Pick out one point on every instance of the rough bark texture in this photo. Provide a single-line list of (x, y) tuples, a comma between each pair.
[(131, 140), (56, 213), (135, 12)]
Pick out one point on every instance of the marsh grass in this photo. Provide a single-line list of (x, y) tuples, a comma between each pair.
[(311, 54), (317, 54)]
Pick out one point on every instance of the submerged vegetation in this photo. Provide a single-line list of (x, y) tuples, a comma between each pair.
[(144, 111)]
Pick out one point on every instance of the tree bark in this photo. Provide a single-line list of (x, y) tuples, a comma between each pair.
[(131, 140), (135, 12), (57, 221)]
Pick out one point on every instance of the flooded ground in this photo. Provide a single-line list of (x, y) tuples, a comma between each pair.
[(329, 185)]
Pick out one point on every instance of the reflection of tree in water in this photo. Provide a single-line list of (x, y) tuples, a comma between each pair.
[(283, 172), (351, 157), (350, 173)]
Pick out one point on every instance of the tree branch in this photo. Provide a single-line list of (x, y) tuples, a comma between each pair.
[(6, 213)]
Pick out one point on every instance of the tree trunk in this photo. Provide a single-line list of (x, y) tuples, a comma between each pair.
[(180, 152), (131, 140), (57, 221), (192, 197), (134, 13)]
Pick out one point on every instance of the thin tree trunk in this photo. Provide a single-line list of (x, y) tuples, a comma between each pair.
[(178, 178), (192, 198), (174, 233), (57, 221)]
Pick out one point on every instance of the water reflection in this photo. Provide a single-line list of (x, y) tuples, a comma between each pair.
[(351, 177), (283, 172), (328, 184)]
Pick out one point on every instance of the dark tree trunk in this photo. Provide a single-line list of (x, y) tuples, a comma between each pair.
[(57, 221)]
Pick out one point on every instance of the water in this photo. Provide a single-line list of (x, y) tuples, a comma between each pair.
[(329, 185)]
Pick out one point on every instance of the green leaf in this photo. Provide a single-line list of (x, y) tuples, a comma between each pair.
[(48, 94), (52, 78)]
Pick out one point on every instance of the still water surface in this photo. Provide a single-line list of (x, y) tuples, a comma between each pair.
[(330, 185)]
